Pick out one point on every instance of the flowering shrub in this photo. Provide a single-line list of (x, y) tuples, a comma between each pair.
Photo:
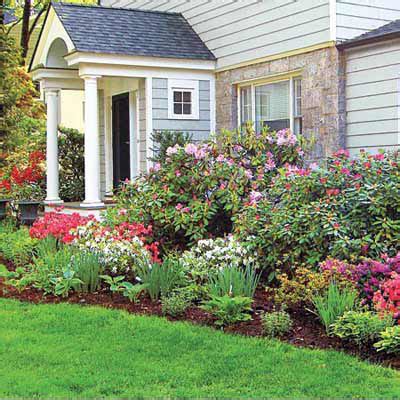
[(119, 247), (387, 298), (199, 187), (367, 276), (348, 210), (212, 255), (58, 225), (26, 182)]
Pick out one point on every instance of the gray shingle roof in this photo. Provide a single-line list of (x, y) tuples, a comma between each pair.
[(390, 30), (131, 32)]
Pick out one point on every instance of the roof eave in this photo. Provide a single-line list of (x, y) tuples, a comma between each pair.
[(361, 42)]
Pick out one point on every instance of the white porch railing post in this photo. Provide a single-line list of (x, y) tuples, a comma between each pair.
[(92, 144), (52, 173)]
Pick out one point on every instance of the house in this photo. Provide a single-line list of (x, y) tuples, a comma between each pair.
[(199, 66), (71, 101)]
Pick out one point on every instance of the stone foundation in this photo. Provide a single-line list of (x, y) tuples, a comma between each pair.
[(321, 90)]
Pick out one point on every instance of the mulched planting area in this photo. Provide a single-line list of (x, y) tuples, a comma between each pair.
[(306, 331)]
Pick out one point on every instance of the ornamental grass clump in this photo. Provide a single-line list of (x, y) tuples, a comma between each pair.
[(333, 304)]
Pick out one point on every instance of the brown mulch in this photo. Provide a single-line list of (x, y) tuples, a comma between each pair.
[(306, 332)]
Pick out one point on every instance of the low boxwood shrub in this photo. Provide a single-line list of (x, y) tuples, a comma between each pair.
[(276, 323)]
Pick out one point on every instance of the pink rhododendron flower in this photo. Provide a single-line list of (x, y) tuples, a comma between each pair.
[(172, 150), (190, 149)]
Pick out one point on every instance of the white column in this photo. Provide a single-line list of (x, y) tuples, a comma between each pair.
[(52, 196), (92, 147)]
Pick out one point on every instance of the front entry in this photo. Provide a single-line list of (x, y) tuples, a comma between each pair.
[(121, 139)]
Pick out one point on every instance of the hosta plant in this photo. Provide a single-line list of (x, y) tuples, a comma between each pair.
[(361, 327), (389, 340)]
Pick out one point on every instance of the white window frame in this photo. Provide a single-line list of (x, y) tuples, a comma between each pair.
[(185, 86), (266, 81)]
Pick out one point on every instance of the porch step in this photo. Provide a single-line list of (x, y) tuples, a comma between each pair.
[(76, 207)]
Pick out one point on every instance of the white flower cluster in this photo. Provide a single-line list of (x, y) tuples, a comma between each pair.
[(211, 255), (117, 255)]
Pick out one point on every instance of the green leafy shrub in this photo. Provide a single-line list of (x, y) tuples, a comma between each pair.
[(390, 340), (276, 323), (17, 246), (159, 279), (234, 282), (362, 328), (175, 304), (71, 159), (163, 139), (196, 191), (333, 304), (347, 210), (229, 310)]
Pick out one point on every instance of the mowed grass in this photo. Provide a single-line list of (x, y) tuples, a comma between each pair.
[(72, 351)]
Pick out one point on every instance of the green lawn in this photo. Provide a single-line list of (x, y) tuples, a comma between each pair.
[(65, 350)]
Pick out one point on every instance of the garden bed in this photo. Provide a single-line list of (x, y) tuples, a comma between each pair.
[(306, 331)]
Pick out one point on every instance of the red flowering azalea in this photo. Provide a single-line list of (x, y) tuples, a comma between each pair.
[(387, 298)]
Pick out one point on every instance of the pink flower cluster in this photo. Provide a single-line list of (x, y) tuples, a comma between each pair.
[(58, 225), (387, 298)]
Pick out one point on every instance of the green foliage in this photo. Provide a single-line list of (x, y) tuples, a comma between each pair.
[(333, 304), (346, 211), (234, 282), (116, 283), (65, 283), (176, 303), (390, 340), (229, 310), (196, 192), (163, 139), (160, 279), (87, 268), (361, 327), (24, 123), (276, 323), (71, 159), (17, 246), (132, 292)]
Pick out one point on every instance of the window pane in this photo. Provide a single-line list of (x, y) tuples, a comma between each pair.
[(177, 108), (187, 97), (177, 97), (245, 105), (187, 109), (297, 97), (272, 105)]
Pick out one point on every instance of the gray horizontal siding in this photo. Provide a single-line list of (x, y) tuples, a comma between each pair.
[(199, 129), (355, 17), (241, 31), (372, 97)]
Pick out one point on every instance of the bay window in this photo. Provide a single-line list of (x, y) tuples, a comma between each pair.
[(273, 104)]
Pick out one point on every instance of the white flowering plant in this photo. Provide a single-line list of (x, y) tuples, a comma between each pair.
[(118, 253), (212, 255)]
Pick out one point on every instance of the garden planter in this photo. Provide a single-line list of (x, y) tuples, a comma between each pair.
[(3, 207), (28, 211)]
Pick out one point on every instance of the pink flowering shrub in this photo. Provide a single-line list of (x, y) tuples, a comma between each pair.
[(367, 276), (58, 225), (348, 210), (387, 298), (199, 188)]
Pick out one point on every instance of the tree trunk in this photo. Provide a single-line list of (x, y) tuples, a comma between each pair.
[(25, 29)]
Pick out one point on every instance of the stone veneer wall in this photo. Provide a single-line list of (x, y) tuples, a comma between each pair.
[(322, 95)]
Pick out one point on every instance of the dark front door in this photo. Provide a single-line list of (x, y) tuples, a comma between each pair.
[(121, 153)]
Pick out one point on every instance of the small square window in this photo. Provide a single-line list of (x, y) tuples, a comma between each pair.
[(184, 99), (182, 102)]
